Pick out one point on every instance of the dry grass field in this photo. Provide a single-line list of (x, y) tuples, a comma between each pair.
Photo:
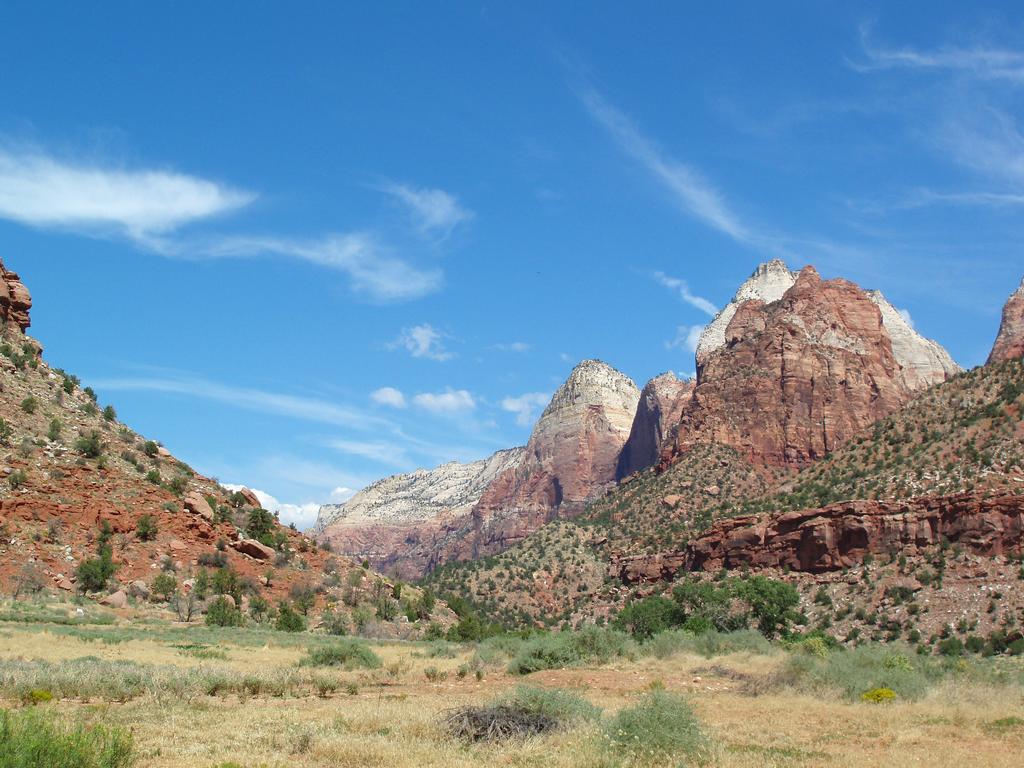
[(214, 698)]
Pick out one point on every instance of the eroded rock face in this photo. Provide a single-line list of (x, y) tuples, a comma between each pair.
[(661, 405), (400, 523), (797, 377), (840, 535), (924, 362), (768, 283), (1010, 341), (15, 300), (572, 456)]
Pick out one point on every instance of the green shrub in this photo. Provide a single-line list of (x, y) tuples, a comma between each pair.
[(109, 414), (29, 404), (17, 478), (347, 653), (94, 573), (864, 668), (53, 433), (591, 645), (660, 727), (164, 585), (90, 444), (223, 613), (151, 449), (645, 618), (146, 528), (30, 738), (288, 619)]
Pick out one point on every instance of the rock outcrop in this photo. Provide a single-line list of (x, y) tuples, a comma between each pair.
[(840, 535), (796, 377), (400, 523), (768, 283), (571, 457), (661, 405), (15, 300), (924, 362), (1010, 341)]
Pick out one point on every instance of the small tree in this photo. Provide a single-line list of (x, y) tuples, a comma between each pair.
[(258, 608), (109, 414), (184, 605), (53, 434), (164, 586), (151, 449), (90, 444), (260, 526), (223, 613), (288, 620)]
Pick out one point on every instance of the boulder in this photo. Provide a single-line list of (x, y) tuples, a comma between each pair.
[(116, 599), (139, 589), (253, 549), (197, 505)]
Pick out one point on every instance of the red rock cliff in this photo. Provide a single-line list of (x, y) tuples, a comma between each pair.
[(15, 300), (796, 377), (1010, 341)]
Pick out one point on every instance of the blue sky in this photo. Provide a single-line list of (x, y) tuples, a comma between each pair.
[(307, 245)]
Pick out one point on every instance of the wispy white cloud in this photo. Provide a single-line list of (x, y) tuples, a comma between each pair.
[(433, 211), (515, 346), (372, 270), (152, 207), (449, 402), (689, 189), (41, 190), (988, 142), (687, 337), (526, 406), (374, 450), (683, 289), (260, 401), (388, 396), (423, 341), (984, 62)]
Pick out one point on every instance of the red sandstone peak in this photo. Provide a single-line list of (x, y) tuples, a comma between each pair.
[(1010, 341), (796, 377)]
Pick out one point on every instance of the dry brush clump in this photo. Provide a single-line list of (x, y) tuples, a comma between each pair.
[(525, 712)]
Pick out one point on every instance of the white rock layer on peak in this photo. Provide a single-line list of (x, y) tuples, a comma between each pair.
[(924, 362), (769, 281), (413, 497), (593, 383)]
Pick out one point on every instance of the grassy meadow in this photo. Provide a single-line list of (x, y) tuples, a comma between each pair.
[(153, 694)]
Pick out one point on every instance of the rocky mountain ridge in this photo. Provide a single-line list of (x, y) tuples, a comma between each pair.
[(413, 497)]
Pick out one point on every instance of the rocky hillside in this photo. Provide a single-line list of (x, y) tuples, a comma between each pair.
[(1010, 341), (400, 523), (89, 506)]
